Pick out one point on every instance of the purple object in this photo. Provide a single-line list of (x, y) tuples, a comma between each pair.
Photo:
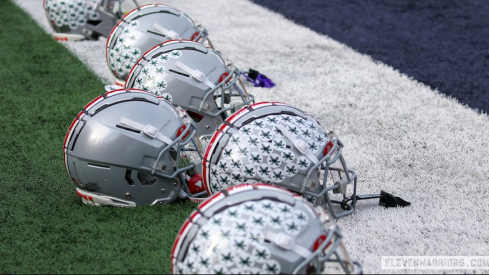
[(258, 79), (263, 81)]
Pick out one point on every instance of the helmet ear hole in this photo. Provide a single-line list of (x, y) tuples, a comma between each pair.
[(94, 22), (311, 269), (146, 179), (128, 177), (173, 154), (195, 116)]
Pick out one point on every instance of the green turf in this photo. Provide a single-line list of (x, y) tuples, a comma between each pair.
[(44, 227)]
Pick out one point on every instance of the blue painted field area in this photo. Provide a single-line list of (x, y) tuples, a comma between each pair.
[(443, 44)]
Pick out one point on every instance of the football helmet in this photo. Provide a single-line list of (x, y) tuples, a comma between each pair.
[(194, 77), (73, 20), (131, 148), (260, 229), (278, 144), (143, 28)]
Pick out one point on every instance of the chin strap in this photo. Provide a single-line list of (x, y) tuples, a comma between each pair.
[(385, 199), (196, 74), (258, 79), (149, 130), (299, 144), (169, 33), (287, 242)]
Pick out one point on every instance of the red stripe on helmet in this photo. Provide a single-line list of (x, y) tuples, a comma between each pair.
[(211, 200), (70, 129), (237, 115), (176, 244), (93, 102), (111, 36), (239, 188), (216, 137)]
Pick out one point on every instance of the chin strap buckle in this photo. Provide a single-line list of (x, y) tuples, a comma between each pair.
[(151, 131), (388, 200)]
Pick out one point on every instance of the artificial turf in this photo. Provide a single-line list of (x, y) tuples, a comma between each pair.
[(44, 226)]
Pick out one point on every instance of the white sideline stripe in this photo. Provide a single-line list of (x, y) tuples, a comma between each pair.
[(399, 135)]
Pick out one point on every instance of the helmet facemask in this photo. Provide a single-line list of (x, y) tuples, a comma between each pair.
[(331, 258), (229, 96), (201, 35), (178, 150), (334, 178), (330, 255), (186, 151)]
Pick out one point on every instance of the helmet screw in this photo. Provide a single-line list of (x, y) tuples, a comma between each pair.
[(128, 195), (312, 184), (163, 167), (162, 190), (208, 128), (174, 184)]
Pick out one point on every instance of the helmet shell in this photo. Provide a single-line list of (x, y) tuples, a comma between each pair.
[(115, 153), (278, 144), (73, 20), (171, 70), (257, 229), (140, 30)]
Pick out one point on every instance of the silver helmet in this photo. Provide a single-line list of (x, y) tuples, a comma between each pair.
[(73, 20), (144, 28), (131, 148), (279, 144), (194, 77), (260, 229)]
